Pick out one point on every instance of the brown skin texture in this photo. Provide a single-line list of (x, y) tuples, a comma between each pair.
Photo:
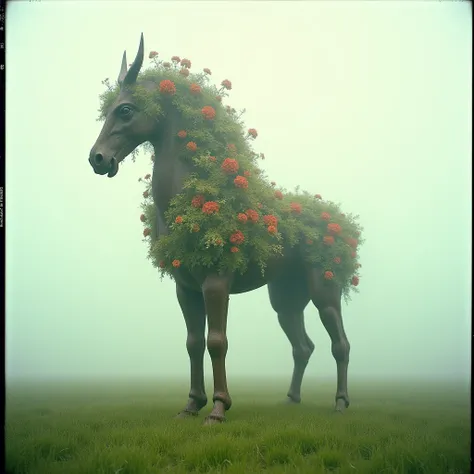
[(291, 283)]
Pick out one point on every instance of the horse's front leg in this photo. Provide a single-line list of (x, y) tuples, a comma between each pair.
[(215, 290), (194, 312)]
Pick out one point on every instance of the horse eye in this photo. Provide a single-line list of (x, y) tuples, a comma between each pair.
[(125, 111)]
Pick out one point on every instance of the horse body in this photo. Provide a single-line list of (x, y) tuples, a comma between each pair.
[(204, 295)]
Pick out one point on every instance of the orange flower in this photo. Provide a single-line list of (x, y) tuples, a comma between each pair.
[(272, 229), (167, 87), (195, 228), (182, 134), (325, 216), (208, 112), (355, 280), (231, 147), (352, 242), (218, 98), (176, 59), (148, 176), (176, 263), (226, 84), (186, 63), (195, 89), (328, 275), (162, 264), (143, 218), (234, 249), (337, 260), (218, 242), (152, 54), (179, 220), (252, 132), (212, 158), (328, 239), (247, 174), (241, 182), (270, 219), (318, 196), (242, 217), (230, 166), (198, 201), (146, 232), (146, 194), (207, 71), (237, 238), (166, 65), (191, 146), (252, 215), (334, 228), (296, 207), (278, 194), (184, 72), (210, 207)]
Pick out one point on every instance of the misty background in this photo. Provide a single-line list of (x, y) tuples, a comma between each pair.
[(366, 103)]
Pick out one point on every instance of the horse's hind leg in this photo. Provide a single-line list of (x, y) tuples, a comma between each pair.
[(289, 297), (327, 298)]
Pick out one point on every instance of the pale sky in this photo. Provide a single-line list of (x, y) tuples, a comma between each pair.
[(366, 103)]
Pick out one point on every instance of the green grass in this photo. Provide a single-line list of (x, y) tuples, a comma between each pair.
[(128, 427)]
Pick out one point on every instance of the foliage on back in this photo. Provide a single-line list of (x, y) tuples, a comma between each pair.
[(229, 215)]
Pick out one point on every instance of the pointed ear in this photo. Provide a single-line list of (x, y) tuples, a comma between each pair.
[(123, 69), (132, 74)]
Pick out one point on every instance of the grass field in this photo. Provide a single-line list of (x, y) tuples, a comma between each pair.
[(128, 427)]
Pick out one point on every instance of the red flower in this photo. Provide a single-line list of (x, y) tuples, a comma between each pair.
[(278, 194), (212, 158), (247, 174), (352, 242), (179, 220), (328, 275), (318, 196), (296, 207), (253, 133), (197, 201), (230, 166), (176, 263), (218, 98), (231, 147), (146, 194), (237, 238), (207, 71), (162, 264), (182, 134), (143, 218), (328, 239), (152, 54), (334, 228), (208, 112), (241, 182), (325, 216), (270, 219), (226, 84), (186, 63), (167, 87), (195, 89), (355, 280), (234, 249), (184, 72), (210, 207), (273, 183), (191, 146), (354, 254), (337, 260), (148, 176), (196, 228), (166, 64), (272, 229), (242, 217), (176, 59), (146, 232), (252, 215)]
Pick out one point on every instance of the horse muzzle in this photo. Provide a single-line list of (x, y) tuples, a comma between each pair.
[(102, 165)]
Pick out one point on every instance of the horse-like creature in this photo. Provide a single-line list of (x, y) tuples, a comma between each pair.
[(203, 292)]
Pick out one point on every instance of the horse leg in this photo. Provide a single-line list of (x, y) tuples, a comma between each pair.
[(194, 312), (327, 298), (216, 298), (289, 297)]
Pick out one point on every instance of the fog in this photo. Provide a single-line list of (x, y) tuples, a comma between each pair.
[(366, 103)]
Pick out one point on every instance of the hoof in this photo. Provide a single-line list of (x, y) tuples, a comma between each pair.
[(292, 401), (214, 420), (186, 414), (341, 405)]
